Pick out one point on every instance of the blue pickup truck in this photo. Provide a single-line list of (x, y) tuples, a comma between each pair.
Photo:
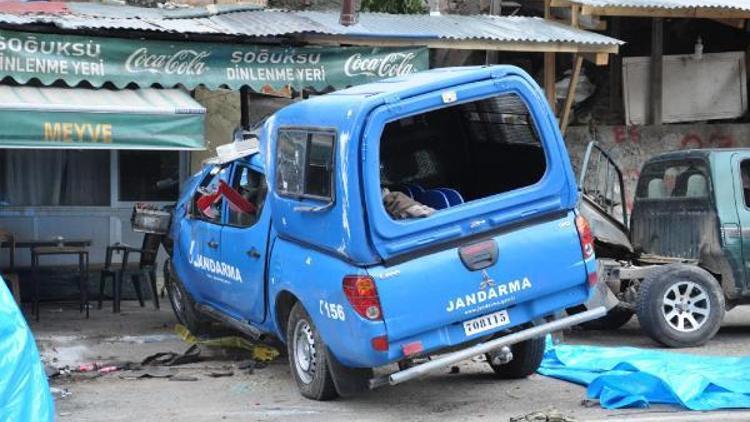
[(426, 215)]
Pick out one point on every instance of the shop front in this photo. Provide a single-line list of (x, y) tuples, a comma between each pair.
[(74, 161)]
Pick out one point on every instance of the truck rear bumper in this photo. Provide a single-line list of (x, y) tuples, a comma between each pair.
[(481, 348)]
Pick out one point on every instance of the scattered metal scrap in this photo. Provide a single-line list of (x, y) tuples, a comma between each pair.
[(259, 352), (551, 415), (192, 354)]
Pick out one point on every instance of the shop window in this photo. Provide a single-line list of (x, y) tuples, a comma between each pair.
[(148, 175), (54, 178), (304, 164)]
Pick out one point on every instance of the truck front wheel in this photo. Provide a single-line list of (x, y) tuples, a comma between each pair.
[(183, 305), (680, 306), (307, 356), (527, 356)]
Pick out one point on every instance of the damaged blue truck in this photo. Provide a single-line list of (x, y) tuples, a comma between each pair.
[(289, 231)]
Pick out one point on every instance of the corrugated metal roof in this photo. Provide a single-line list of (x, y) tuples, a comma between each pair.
[(743, 5), (269, 23), (455, 27)]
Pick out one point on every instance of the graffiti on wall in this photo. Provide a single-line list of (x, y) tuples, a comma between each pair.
[(631, 146)]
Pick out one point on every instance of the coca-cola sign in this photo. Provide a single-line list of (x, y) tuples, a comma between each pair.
[(275, 69), (390, 65), (182, 62)]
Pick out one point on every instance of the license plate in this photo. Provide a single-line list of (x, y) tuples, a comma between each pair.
[(486, 323)]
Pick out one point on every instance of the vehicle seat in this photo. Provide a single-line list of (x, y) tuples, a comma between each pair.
[(656, 189), (403, 189), (696, 186), (454, 198), (433, 198)]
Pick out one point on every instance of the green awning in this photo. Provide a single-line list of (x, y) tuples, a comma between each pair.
[(142, 119)]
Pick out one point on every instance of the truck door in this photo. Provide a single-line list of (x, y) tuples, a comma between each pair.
[(244, 240), (200, 241), (602, 202), (740, 251)]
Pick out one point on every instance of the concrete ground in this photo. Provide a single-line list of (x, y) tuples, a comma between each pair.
[(65, 337)]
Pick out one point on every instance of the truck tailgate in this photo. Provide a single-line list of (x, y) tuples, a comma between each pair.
[(438, 290)]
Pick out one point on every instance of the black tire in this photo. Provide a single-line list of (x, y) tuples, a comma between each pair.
[(667, 301), (183, 304), (309, 366), (615, 318), (527, 356)]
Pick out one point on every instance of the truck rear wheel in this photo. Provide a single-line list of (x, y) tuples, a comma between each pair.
[(527, 356), (680, 306), (308, 356), (183, 305)]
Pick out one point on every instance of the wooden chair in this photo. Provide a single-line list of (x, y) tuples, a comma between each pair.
[(145, 270), (10, 275)]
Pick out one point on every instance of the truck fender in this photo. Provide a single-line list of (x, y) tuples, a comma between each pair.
[(348, 381), (720, 267)]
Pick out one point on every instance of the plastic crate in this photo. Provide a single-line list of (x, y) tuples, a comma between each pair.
[(150, 220)]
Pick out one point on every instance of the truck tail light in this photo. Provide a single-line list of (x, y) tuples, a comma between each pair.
[(363, 296), (586, 237)]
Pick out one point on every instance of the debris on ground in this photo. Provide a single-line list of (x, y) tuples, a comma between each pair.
[(258, 352), (551, 415), (455, 370), (88, 370), (183, 378), (59, 393), (191, 355), (155, 372), (589, 403), (220, 374), (248, 366)]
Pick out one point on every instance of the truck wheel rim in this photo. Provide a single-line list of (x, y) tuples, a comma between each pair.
[(304, 351), (175, 295), (685, 306)]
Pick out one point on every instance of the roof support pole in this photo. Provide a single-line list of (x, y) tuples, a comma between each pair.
[(657, 60), (245, 107), (565, 117), (549, 67), (615, 70), (549, 79), (495, 10)]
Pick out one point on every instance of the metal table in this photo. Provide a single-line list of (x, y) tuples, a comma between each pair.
[(83, 268)]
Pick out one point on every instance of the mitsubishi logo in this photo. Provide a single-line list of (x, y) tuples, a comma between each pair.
[(487, 281)]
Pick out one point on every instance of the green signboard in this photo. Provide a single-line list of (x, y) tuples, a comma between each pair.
[(27, 129), (73, 58), (79, 118)]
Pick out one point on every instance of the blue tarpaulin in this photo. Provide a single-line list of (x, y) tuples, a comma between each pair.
[(24, 392), (631, 377)]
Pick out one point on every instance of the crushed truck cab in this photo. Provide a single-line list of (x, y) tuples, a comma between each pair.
[(288, 235)]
